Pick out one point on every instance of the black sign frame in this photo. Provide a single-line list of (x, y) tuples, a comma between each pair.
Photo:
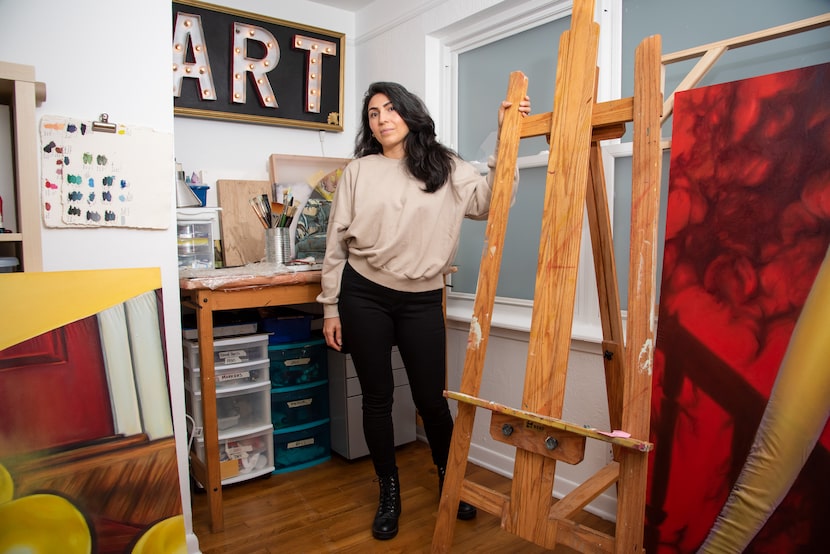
[(289, 78)]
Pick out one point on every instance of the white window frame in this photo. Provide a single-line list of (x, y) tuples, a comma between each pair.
[(442, 58)]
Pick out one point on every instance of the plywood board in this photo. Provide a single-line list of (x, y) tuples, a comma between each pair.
[(243, 236)]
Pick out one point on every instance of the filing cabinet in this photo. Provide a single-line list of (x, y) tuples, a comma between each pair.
[(345, 399)]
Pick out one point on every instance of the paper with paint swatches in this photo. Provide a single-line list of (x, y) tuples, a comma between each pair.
[(94, 179)]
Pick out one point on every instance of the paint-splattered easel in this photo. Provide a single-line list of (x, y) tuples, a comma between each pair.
[(574, 178)]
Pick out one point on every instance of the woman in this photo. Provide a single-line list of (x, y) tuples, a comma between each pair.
[(393, 232)]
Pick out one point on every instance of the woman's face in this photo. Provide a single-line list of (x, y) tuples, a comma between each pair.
[(387, 126)]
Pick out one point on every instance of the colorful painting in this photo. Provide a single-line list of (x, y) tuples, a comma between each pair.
[(88, 459), (748, 228)]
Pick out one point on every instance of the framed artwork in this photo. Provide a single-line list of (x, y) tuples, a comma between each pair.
[(235, 65)]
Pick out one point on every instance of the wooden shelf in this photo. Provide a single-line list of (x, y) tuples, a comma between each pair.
[(20, 91)]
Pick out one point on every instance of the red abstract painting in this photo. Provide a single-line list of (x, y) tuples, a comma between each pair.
[(748, 226)]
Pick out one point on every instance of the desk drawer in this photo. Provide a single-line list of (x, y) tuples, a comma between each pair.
[(397, 363), (353, 383)]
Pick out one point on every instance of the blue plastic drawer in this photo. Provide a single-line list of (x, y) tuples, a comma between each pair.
[(303, 447), (298, 405), (298, 363)]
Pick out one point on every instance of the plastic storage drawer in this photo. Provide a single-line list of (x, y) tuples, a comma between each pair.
[(195, 240), (298, 363), (238, 409), (232, 350), (233, 375), (299, 448), (243, 457), (286, 328), (297, 405)]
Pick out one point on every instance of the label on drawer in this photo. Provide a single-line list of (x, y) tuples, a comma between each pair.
[(300, 403), (233, 356), (233, 376), (300, 443), (297, 361)]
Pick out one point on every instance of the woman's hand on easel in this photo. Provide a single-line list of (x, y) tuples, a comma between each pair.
[(524, 108)]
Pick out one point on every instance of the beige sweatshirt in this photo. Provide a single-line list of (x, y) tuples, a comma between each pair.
[(393, 232)]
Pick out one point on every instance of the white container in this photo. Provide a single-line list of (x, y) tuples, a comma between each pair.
[(231, 376), (220, 331), (8, 265), (243, 457), (238, 409), (195, 241), (227, 351)]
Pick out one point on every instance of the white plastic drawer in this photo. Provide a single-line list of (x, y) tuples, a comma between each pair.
[(238, 409), (243, 457), (229, 376), (227, 351)]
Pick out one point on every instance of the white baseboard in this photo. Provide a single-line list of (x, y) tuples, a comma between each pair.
[(604, 506), (192, 542)]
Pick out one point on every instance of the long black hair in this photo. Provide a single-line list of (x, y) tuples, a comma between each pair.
[(426, 159)]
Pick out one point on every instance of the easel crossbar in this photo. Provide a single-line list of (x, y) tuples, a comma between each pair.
[(608, 120), (552, 422)]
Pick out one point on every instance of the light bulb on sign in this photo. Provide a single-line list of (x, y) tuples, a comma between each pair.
[(188, 30)]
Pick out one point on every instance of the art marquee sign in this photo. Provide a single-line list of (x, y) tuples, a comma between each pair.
[(235, 65)]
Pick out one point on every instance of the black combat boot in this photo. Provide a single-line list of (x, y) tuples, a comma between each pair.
[(385, 525), (465, 511)]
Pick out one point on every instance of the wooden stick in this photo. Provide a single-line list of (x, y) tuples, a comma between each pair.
[(507, 154), (752, 38)]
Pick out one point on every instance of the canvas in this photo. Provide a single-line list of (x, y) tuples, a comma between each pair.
[(748, 227), (88, 459)]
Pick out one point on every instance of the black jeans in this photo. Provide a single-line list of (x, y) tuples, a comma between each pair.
[(374, 319)]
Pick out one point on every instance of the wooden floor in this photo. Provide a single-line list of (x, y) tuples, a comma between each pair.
[(330, 507)]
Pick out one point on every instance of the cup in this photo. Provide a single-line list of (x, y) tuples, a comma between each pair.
[(278, 245)]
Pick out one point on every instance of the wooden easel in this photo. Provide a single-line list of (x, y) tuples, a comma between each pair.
[(574, 178)]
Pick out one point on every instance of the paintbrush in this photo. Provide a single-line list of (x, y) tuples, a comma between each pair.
[(291, 211), (255, 205), (266, 209), (277, 208)]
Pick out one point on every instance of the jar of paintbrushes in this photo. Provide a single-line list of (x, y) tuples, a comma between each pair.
[(276, 218)]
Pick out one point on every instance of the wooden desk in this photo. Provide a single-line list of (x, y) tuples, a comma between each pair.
[(207, 296)]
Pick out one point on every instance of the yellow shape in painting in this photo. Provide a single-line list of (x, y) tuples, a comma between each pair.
[(61, 297), (165, 536), (41, 524), (6, 485)]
